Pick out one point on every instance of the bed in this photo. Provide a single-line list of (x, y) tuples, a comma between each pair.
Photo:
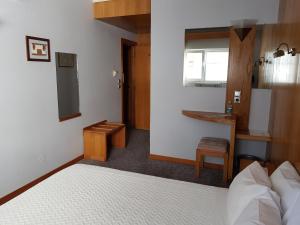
[(85, 194)]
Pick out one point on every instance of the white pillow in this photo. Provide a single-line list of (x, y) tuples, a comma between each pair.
[(252, 183), (286, 182), (262, 211)]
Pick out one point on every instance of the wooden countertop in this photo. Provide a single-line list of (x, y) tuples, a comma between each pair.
[(253, 135), (211, 116), (250, 135)]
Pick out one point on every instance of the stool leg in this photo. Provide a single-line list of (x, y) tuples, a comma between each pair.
[(225, 176), (119, 138)]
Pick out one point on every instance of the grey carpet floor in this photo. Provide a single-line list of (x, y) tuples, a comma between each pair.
[(134, 158)]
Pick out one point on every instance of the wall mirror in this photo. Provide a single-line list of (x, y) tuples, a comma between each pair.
[(67, 86), (258, 62), (206, 56)]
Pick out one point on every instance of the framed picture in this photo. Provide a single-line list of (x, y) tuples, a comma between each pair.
[(38, 49)]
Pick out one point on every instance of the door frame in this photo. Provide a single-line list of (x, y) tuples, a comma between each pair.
[(127, 43)]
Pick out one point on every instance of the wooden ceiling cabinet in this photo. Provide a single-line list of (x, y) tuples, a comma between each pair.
[(131, 15)]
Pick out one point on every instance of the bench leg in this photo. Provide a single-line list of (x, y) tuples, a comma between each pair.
[(95, 146), (119, 138), (101, 143)]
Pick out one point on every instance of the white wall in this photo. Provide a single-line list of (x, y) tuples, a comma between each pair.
[(33, 142), (259, 120), (172, 134)]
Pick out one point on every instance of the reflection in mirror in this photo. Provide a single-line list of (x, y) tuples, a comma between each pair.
[(67, 86), (257, 59), (206, 57), (276, 57)]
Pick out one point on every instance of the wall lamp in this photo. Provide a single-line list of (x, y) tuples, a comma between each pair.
[(279, 52)]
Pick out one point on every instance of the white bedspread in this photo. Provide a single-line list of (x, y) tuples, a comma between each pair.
[(91, 195)]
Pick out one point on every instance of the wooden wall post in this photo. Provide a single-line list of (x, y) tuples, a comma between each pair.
[(240, 73)]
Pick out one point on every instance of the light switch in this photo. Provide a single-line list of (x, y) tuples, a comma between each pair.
[(237, 97), (115, 73)]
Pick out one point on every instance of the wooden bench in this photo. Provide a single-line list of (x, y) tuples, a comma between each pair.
[(97, 137)]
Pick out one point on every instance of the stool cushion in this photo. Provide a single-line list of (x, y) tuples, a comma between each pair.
[(214, 144)]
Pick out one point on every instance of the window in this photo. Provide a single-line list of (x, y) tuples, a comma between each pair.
[(206, 66)]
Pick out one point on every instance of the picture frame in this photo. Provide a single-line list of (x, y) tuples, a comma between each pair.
[(38, 49)]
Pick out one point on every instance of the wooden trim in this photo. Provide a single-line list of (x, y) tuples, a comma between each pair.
[(128, 42), (62, 119), (184, 161), (206, 35), (38, 180)]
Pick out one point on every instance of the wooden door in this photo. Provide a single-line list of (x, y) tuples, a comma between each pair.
[(142, 85)]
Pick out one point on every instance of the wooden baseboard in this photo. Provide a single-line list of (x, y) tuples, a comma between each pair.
[(38, 180), (184, 161), (172, 159)]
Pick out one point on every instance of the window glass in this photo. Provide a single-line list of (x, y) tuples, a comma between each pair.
[(216, 66), (194, 65)]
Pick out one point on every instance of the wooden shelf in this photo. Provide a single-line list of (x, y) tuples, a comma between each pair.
[(253, 135), (211, 116), (119, 8)]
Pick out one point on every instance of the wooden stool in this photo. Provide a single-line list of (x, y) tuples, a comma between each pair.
[(213, 147)]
